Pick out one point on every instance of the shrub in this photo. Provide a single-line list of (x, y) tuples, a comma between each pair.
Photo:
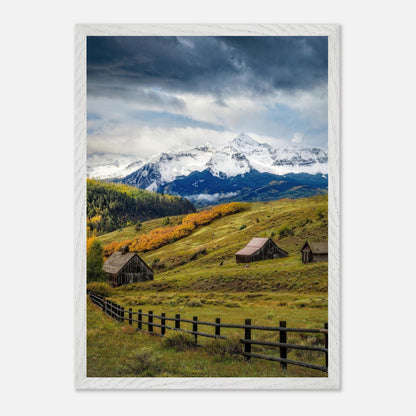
[(179, 341), (194, 303), (128, 329), (158, 266), (304, 221), (242, 227), (145, 363), (155, 261), (285, 230), (230, 304), (200, 251), (224, 349), (100, 288), (321, 213)]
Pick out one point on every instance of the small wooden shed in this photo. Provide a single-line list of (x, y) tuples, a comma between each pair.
[(124, 267), (314, 251), (259, 249)]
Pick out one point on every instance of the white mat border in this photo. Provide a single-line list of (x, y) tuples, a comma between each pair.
[(80, 153)]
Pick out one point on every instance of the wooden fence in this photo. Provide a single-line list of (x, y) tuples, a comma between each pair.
[(146, 320)]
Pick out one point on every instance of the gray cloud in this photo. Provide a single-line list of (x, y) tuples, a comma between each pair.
[(147, 93), (217, 65)]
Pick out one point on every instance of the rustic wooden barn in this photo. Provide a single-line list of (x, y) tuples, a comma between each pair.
[(124, 267), (259, 249), (316, 251)]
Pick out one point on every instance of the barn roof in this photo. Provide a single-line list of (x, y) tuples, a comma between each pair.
[(117, 261), (317, 247), (253, 245)]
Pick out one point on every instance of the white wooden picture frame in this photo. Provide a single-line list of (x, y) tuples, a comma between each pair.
[(333, 33)]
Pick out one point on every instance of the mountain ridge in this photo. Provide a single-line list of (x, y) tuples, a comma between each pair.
[(241, 169), (239, 156)]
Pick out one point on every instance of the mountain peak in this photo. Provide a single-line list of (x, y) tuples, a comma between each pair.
[(245, 139), (236, 157), (181, 147)]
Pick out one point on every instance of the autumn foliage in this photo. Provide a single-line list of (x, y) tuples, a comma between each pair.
[(166, 235), (111, 206)]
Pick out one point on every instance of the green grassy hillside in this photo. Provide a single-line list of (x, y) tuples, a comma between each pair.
[(193, 263), (190, 280), (116, 350)]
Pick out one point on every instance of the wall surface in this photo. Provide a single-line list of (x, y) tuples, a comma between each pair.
[(378, 148)]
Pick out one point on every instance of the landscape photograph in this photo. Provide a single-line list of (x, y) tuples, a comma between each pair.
[(207, 206)]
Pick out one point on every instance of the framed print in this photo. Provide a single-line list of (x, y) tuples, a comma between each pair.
[(207, 206)]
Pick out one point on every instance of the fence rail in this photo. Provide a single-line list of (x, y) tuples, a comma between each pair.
[(119, 313)]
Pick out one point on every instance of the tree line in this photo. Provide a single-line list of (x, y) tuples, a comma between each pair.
[(161, 236), (111, 206)]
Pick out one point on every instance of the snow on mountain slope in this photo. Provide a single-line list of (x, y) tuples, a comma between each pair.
[(165, 167), (280, 161), (236, 157), (259, 155), (300, 160), (183, 163), (108, 165), (227, 163)]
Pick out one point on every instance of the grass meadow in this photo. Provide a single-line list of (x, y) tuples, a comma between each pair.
[(198, 276)]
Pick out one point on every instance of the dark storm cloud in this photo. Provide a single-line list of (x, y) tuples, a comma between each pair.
[(284, 62), (223, 66)]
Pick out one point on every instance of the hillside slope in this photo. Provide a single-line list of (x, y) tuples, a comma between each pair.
[(205, 260), (111, 206)]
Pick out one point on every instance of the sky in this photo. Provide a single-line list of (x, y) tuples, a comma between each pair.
[(147, 94)]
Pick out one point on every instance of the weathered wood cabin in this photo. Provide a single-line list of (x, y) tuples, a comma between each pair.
[(259, 249), (312, 252), (124, 267)]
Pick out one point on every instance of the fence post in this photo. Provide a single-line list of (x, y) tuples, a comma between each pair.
[(217, 328), (177, 322), (283, 339), (163, 323), (121, 313), (326, 345), (195, 328), (105, 305), (150, 327), (247, 335), (139, 319), (130, 316)]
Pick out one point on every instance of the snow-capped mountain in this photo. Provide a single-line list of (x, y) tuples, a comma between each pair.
[(237, 157), (283, 160), (226, 163), (166, 167), (241, 170), (107, 165)]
